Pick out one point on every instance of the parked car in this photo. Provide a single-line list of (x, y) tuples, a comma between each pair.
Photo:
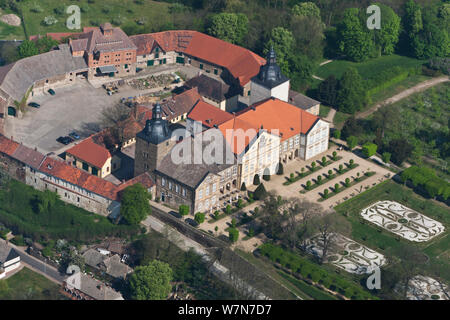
[(52, 92), (192, 222), (74, 135), (34, 105), (65, 140)]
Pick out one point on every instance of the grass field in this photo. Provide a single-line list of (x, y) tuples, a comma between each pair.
[(8, 32), (366, 69), (386, 242), (60, 221), (121, 13), (29, 285)]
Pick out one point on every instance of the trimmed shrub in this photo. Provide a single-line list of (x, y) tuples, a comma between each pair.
[(260, 192), (386, 157), (256, 180), (233, 234), (199, 217), (337, 134), (280, 170), (243, 187), (183, 210), (369, 149)]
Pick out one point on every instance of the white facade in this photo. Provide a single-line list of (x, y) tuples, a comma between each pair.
[(262, 156), (317, 139), (259, 93)]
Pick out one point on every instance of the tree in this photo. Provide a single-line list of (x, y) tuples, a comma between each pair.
[(387, 37), (233, 234), (260, 192), (369, 149), (400, 150), (327, 91), (386, 157), (354, 39), (283, 42), (326, 227), (300, 70), (45, 44), (134, 204), (306, 9), (199, 217), (256, 180), (183, 210), (231, 27), (308, 32), (151, 282), (352, 95), (352, 141), (27, 49)]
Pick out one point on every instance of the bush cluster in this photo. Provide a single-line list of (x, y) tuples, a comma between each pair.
[(311, 271)]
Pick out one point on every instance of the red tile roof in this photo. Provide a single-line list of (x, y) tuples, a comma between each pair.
[(273, 115), (240, 62), (80, 178), (90, 152), (209, 115), (145, 179), (7, 146)]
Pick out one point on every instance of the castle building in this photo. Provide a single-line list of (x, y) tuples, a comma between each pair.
[(153, 143), (270, 82)]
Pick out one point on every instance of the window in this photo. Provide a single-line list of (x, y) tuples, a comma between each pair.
[(163, 182), (170, 185), (177, 188), (183, 192), (200, 194), (297, 140), (85, 166), (216, 71), (201, 66), (207, 191), (214, 188)]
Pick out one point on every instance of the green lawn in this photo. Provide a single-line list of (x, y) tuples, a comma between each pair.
[(29, 285), (123, 13), (384, 241), (8, 32), (61, 221), (368, 68)]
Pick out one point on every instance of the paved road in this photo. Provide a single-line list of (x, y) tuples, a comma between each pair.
[(39, 266)]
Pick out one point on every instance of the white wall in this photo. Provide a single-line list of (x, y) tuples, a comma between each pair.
[(282, 91)]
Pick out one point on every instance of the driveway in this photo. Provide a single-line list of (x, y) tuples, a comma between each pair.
[(37, 265)]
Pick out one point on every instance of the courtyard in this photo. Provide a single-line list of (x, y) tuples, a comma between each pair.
[(297, 188)]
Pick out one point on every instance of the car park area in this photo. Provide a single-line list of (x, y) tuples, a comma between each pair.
[(73, 109)]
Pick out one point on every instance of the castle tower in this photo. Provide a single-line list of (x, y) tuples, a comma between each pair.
[(153, 143), (270, 82)]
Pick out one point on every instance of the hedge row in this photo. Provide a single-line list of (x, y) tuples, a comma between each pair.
[(389, 77), (428, 180), (312, 271)]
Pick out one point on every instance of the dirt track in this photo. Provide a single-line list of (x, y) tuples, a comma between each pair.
[(418, 88)]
